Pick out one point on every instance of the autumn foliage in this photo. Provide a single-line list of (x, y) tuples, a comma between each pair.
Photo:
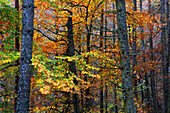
[(95, 53)]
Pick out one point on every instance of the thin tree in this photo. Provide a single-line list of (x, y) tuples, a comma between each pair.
[(153, 86), (163, 42), (101, 82), (166, 89), (89, 31), (134, 53), (106, 78), (146, 92), (16, 49)]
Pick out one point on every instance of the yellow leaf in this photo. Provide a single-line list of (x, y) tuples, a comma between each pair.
[(35, 63), (70, 59), (55, 83), (45, 90), (40, 81)]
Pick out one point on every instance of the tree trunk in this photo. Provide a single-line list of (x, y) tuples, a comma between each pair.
[(164, 71), (72, 65), (87, 105), (106, 78), (153, 86), (89, 29), (101, 82), (146, 91), (23, 97), (166, 101), (134, 54), (16, 49), (81, 90), (129, 106)]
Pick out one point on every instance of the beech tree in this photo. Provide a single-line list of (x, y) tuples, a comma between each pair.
[(23, 96), (125, 60)]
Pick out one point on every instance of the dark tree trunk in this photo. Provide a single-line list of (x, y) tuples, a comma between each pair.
[(87, 102), (81, 90), (164, 54), (72, 65), (87, 105), (23, 96), (166, 89), (134, 54), (89, 30), (16, 49), (153, 86), (146, 91), (106, 78), (17, 26), (101, 82), (129, 106)]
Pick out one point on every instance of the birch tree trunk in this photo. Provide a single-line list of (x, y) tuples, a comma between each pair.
[(23, 97)]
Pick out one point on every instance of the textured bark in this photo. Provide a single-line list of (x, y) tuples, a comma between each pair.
[(72, 65), (129, 106), (164, 71), (26, 56)]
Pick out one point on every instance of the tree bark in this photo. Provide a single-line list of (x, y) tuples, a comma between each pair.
[(163, 42), (23, 97), (16, 49), (129, 106), (72, 65)]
